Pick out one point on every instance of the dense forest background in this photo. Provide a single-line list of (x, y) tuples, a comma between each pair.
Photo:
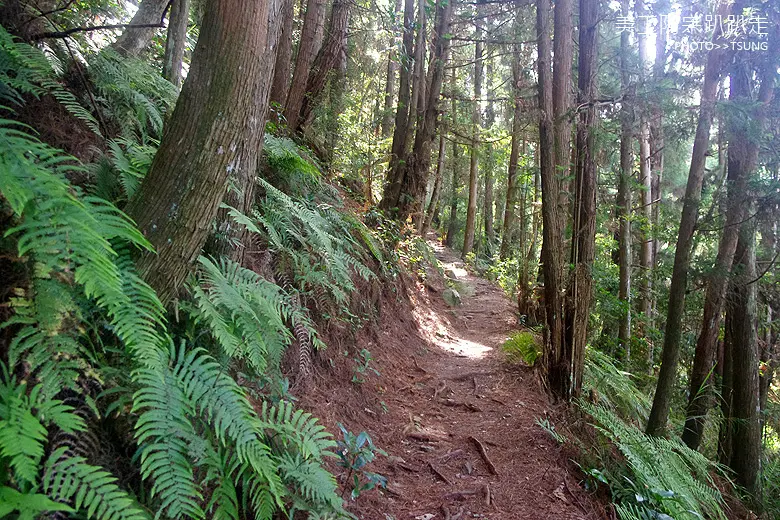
[(198, 194)]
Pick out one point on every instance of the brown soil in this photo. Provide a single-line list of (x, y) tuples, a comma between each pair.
[(444, 390)]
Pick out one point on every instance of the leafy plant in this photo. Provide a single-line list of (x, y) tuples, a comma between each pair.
[(362, 366), (355, 452), (522, 347)]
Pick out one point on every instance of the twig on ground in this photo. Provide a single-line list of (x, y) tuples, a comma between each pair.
[(439, 473), (483, 453)]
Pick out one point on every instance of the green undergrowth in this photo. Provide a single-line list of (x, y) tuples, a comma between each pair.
[(113, 408)]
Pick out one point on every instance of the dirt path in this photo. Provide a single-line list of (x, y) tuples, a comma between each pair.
[(448, 394)]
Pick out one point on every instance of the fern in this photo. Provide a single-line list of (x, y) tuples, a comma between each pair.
[(297, 429), (25, 69), (615, 388), (92, 489), (665, 467)]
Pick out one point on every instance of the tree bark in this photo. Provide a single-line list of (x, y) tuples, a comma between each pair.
[(281, 82), (746, 424), (671, 348), (216, 129), (452, 225), (419, 161), (392, 71), (176, 40), (331, 58), (490, 118), (476, 119), (514, 156), (436, 189), (624, 190), (563, 49), (134, 40), (742, 161), (402, 115), (311, 41), (580, 291)]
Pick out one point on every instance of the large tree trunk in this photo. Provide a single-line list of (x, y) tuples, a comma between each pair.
[(563, 52), (746, 424), (557, 368), (514, 156), (281, 82), (476, 118), (176, 40), (419, 161), (671, 349), (624, 189), (403, 118), (331, 58), (580, 291), (742, 160), (216, 129), (142, 28), (392, 71), (311, 41)]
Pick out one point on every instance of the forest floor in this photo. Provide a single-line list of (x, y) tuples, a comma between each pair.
[(458, 423)]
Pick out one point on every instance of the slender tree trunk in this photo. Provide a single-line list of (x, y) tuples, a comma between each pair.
[(452, 225), (557, 368), (402, 115), (742, 160), (580, 291), (490, 118), (646, 191), (514, 156), (476, 119), (671, 350), (216, 128), (561, 91), (281, 82), (436, 189), (727, 385), (176, 40), (392, 71), (746, 424), (419, 161), (311, 41), (624, 189), (331, 58), (134, 40)]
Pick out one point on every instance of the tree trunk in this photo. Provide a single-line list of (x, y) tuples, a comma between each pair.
[(402, 115), (556, 366), (392, 71), (419, 161), (742, 160), (580, 291), (624, 190), (490, 118), (476, 118), (646, 192), (134, 40), (671, 349), (311, 41), (281, 82), (561, 92), (436, 189), (331, 58), (216, 129), (746, 424), (452, 225), (514, 156), (175, 41)]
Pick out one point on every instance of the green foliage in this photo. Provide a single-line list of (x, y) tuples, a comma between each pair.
[(131, 95), (118, 173), (615, 388), (362, 366), (522, 347), (355, 453), (25, 69), (666, 476), (289, 170)]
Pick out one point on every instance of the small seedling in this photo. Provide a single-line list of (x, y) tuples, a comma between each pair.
[(362, 366), (355, 452)]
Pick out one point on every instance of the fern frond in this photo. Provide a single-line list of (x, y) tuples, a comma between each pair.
[(297, 429), (91, 489)]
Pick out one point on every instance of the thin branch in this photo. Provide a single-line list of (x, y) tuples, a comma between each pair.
[(74, 30)]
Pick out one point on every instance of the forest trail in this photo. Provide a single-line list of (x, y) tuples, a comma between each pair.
[(451, 396)]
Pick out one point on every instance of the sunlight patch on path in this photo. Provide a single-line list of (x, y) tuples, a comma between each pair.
[(465, 348)]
